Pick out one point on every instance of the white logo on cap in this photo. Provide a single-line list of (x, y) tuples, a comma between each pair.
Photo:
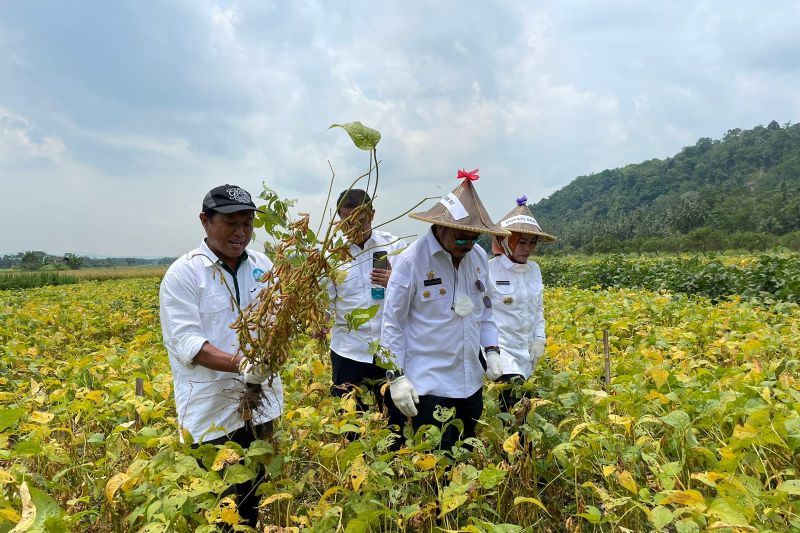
[(240, 195)]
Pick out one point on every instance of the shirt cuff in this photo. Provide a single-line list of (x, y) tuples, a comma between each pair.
[(489, 337), (190, 347)]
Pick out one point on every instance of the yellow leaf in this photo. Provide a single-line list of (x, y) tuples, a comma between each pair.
[(524, 499), (626, 480), (689, 497), (659, 376), (577, 429), (275, 497), (113, 484), (450, 501), (28, 510), (511, 444), (766, 394), (746, 431), (607, 470), (315, 387), (225, 457), (57, 394), (6, 396), (317, 368), (226, 512), (10, 515), (425, 462), (95, 395), (358, 472), (727, 453), (624, 421), (41, 417)]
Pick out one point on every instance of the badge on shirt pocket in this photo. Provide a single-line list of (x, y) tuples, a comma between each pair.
[(433, 292)]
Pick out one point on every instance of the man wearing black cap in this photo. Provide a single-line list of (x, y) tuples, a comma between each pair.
[(200, 297)]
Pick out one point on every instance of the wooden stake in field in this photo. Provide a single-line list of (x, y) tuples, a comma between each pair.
[(139, 392)]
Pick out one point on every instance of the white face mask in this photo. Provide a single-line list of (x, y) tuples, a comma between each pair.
[(520, 268), (463, 305)]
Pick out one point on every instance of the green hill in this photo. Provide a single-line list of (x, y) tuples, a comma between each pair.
[(742, 191)]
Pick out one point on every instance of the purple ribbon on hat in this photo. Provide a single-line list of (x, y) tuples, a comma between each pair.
[(523, 200)]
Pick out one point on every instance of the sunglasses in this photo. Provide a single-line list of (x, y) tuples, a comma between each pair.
[(487, 302)]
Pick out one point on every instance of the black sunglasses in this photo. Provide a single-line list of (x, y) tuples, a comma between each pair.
[(487, 302)]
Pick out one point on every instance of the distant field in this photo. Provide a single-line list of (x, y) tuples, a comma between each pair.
[(20, 279)]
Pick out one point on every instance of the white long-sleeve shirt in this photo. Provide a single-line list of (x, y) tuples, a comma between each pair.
[(518, 306), (436, 348), (198, 304), (355, 292)]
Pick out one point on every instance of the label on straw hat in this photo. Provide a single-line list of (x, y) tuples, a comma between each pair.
[(454, 205), (519, 219)]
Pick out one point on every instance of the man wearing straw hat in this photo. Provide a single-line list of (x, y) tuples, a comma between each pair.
[(438, 314), (518, 297)]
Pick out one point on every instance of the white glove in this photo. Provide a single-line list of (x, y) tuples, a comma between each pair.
[(404, 395), (254, 374), (494, 368), (536, 349)]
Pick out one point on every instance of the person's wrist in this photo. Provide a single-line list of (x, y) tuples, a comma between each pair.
[(392, 375)]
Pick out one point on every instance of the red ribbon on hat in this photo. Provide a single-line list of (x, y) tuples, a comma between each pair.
[(472, 175)]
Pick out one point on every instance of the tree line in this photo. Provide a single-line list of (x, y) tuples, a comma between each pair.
[(741, 191), (38, 260)]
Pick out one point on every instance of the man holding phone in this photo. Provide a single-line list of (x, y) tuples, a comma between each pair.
[(352, 364)]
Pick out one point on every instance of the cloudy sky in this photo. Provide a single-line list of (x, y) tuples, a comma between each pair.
[(117, 117)]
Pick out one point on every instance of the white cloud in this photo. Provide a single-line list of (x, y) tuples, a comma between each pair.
[(185, 96), (20, 145)]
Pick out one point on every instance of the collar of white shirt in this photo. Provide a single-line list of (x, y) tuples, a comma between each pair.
[(433, 244), (204, 250)]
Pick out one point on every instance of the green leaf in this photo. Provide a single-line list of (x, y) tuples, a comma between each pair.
[(357, 525), (363, 137), (592, 515), (726, 512), (791, 486), (48, 515), (491, 476), (28, 447), (677, 419), (686, 525), (238, 473), (358, 317), (660, 516), (451, 501), (9, 417)]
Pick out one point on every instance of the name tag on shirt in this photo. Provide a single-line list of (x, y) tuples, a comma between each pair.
[(434, 281), (501, 282)]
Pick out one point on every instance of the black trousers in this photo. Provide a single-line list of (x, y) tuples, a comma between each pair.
[(246, 499), (349, 374), (468, 410)]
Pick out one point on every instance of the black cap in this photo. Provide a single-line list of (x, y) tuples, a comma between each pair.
[(228, 199)]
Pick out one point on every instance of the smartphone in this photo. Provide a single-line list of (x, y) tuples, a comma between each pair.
[(379, 260)]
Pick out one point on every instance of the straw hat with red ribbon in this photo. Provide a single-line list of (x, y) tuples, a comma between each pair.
[(519, 221), (462, 209)]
